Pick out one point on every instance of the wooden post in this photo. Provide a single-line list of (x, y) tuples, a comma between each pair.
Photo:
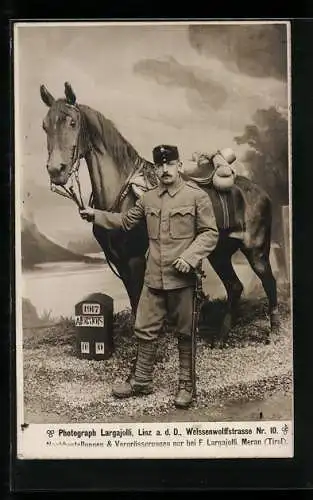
[(286, 233)]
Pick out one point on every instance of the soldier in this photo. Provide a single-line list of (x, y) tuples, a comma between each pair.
[(182, 231)]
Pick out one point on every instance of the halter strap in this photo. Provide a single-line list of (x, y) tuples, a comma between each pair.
[(79, 153)]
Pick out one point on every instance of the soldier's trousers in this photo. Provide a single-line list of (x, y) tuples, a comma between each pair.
[(156, 305)]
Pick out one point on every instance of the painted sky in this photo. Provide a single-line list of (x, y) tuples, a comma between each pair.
[(195, 86)]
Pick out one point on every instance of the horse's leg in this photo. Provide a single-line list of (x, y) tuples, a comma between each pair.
[(120, 264), (220, 260), (137, 266), (259, 260), (133, 278)]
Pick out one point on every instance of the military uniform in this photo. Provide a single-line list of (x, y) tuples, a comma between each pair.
[(180, 223)]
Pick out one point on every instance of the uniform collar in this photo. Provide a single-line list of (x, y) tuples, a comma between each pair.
[(171, 189)]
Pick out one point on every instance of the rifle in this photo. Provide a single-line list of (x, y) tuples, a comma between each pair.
[(198, 299)]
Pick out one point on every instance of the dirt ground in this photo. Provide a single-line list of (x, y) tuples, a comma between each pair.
[(275, 406), (249, 380)]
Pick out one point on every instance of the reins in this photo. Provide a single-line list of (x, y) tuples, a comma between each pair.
[(68, 192)]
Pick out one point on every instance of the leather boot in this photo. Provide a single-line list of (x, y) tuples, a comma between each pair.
[(184, 395), (140, 380)]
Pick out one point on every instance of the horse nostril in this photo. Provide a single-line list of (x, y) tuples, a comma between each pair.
[(54, 171)]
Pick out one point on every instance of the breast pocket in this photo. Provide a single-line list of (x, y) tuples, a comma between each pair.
[(182, 222), (153, 222)]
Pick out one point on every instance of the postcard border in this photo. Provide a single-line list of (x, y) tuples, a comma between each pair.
[(199, 470)]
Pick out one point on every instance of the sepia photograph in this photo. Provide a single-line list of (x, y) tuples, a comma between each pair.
[(153, 177)]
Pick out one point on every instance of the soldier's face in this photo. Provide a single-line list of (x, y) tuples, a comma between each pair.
[(168, 173)]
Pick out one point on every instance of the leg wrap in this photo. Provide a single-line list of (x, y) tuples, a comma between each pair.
[(139, 381), (184, 395), (185, 362), (145, 361)]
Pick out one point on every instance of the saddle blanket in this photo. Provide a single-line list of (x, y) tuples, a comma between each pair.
[(229, 209)]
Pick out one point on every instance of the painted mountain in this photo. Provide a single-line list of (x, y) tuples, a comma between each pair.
[(37, 248)]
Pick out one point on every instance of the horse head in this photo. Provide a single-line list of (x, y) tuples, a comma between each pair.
[(62, 125)]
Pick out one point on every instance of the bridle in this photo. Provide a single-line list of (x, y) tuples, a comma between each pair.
[(81, 148), (68, 192), (79, 153)]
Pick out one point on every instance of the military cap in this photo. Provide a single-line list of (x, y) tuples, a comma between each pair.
[(165, 153)]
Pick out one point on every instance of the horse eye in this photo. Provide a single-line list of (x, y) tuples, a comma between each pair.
[(72, 123)]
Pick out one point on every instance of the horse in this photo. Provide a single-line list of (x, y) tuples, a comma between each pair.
[(76, 131)]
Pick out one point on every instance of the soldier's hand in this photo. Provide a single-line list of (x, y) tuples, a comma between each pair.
[(87, 214), (181, 265)]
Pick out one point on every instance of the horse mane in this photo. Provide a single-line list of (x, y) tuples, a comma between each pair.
[(102, 131)]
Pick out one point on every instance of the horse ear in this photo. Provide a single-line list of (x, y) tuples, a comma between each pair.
[(69, 93), (47, 98)]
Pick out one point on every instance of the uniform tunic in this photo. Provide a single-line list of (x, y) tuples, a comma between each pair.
[(180, 223)]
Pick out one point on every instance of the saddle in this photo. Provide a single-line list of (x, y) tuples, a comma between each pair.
[(216, 174), (229, 209)]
